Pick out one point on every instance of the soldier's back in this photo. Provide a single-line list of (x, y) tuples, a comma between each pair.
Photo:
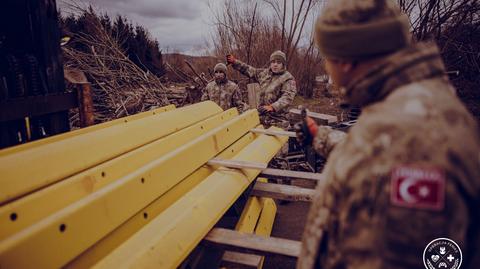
[(408, 173)]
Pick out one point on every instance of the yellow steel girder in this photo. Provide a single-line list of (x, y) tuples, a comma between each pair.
[(250, 214), (170, 237), (55, 161), (85, 130), (57, 239), (258, 216), (40, 204), (102, 248)]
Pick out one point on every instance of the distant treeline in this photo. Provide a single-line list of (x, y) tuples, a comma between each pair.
[(136, 41)]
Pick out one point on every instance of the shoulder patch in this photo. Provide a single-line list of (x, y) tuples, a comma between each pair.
[(418, 187), (293, 83)]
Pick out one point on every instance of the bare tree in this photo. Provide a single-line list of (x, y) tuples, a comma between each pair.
[(252, 30)]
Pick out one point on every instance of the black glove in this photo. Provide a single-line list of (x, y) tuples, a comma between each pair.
[(303, 135), (262, 110), (306, 130)]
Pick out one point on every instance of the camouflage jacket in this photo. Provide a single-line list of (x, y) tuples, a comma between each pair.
[(375, 208), (226, 95), (277, 90)]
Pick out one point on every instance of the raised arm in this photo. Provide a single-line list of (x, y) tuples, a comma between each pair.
[(244, 68)]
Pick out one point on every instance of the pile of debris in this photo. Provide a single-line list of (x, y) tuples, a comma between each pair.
[(119, 86)]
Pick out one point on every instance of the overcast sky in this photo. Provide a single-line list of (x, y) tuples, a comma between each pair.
[(178, 25)]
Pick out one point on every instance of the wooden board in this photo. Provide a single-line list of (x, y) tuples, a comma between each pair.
[(244, 260), (289, 175), (322, 118), (283, 192), (253, 90), (249, 243)]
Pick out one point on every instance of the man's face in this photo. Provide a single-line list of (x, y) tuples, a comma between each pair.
[(276, 66), (219, 75)]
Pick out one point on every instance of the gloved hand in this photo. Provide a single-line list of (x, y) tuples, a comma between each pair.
[(231, 59), (265, 109), (306, 131)]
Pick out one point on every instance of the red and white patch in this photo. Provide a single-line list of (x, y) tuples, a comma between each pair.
[(293, 83), (418, 187)]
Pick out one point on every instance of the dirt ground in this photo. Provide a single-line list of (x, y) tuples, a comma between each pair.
[(289, 224), (322, 104)]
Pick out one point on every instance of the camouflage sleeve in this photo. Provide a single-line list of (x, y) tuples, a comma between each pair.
[(326, 139), (289, 90), (205, 94), (237, 100), (247, 70)]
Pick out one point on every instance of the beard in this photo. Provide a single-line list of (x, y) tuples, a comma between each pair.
[(220, 80)]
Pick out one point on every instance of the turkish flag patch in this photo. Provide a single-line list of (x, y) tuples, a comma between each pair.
[(418, 187)]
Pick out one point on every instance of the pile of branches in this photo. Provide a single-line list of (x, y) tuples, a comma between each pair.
[(194, 84), (120, 87)]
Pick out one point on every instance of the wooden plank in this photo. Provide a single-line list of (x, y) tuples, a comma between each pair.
[(273, 132), (236, 259), (237, 164), (283, 192), (253, 90), (249, 243), (266, 172), (329, 119), (289, 175)]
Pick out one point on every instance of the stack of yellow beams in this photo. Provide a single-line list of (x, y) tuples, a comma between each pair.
[(257, 217), (131, 193)]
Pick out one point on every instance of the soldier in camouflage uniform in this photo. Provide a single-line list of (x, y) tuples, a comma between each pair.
[(224, 92), (408, 172), (277, 88)]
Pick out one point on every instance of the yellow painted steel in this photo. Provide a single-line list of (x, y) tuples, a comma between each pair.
[(144, 216), (250, 214), (267, 218), (57, 239), (40, 204), (76, 132), (258, 216), (55, 161), (170, 237)]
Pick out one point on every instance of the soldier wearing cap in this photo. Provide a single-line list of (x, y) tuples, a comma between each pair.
[(224, 92), (277, 88), (408, 172)]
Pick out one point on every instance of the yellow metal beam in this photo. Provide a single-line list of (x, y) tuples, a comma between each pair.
[(26, 211), (258, 216), (29, 170), (101, 249), (170, 237), (92, 128), (267, 218), (250, 214), (62, 236)]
